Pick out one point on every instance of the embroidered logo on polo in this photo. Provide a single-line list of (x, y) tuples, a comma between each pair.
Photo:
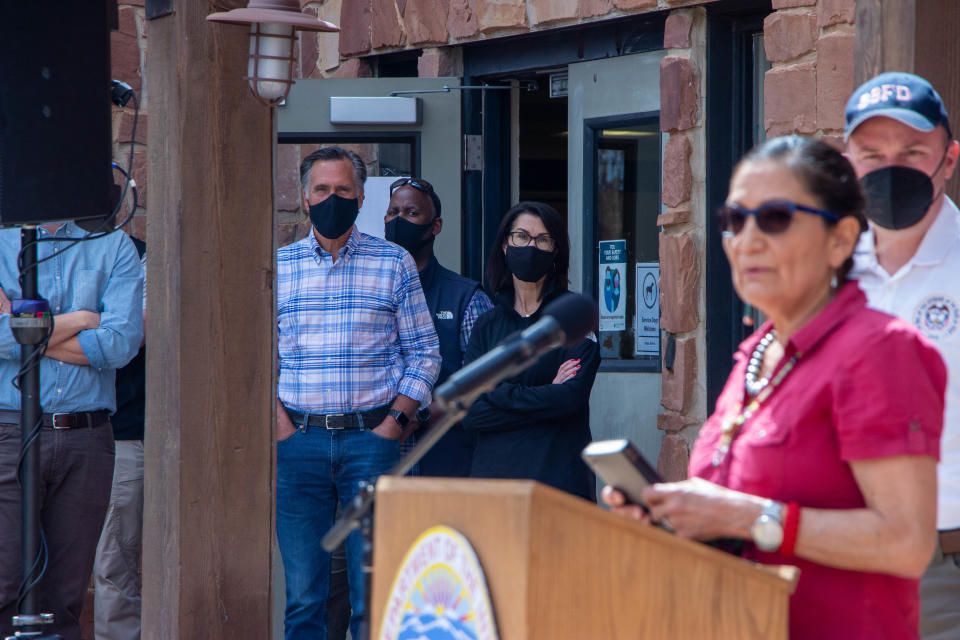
[(937, 316), (444, 315)]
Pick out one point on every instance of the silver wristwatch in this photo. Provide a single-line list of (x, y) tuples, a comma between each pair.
[(767, 529)]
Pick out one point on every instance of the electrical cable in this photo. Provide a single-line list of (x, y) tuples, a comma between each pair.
[(30, 578)]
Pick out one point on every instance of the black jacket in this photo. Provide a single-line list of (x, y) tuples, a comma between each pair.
[(528, 427)]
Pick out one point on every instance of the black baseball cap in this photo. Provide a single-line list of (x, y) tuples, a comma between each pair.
[(902, 96)]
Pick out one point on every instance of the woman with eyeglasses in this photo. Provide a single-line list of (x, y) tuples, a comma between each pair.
[(535, 424), (823, 446)]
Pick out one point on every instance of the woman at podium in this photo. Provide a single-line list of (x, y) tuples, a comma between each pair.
[(823, 447), (535, 424)]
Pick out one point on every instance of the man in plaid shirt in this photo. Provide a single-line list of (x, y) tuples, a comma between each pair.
[(358, 354)]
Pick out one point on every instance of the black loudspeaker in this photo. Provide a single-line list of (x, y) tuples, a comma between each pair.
[(55, 130)]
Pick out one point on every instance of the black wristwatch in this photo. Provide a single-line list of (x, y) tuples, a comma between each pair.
[(400, 417), (423, 415)]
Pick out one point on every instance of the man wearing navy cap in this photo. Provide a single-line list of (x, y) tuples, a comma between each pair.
[(908, 264)]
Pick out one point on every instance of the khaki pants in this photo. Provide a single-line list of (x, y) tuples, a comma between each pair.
[(940, 597), (116, 572)]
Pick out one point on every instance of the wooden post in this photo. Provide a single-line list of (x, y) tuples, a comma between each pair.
[(916, 36), (208, 517)]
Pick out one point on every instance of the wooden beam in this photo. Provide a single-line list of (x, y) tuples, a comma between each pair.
[(938, 60), (884, 37), (208, 517)]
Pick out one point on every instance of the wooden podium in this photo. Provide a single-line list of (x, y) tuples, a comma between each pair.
[(560, 567)]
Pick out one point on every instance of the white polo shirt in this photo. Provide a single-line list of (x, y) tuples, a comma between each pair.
[(926, 292)]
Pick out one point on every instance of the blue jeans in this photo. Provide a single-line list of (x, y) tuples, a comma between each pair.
[(315, 468)]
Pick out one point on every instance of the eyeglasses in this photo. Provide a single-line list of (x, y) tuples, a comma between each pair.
[(419, 185), (521, 238), (772, 217)]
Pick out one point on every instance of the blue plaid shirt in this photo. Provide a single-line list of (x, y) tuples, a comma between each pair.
[(354, 333)]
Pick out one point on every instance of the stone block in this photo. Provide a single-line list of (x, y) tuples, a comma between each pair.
[(787, 4), (124, 127), (788, 35), (831, 12), (439, 63), (670, 422), (131, 3), (677, 176), (679, 283), (834, 141), (138, 229), (636, 4), (677, 386), (546, 11), (329, 43), (592, 8), (425, 22), (493, 15), (674, 458), (835, 54), (353, 68), (125, 51), (790, 99), (288, 177), (286, 234), (462, 21), (355, 21), (677, 216), (678, 94), (676, 31), (309, 56), (387, 25)]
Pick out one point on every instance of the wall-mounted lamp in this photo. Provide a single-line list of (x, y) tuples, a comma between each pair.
[(272, 24)]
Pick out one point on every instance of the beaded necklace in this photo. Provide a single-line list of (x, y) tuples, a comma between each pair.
[(731, 426), (753, 385)]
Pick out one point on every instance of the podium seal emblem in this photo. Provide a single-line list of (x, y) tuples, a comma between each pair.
[(439, 593)]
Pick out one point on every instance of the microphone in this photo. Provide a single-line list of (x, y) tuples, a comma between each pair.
[(565, 322)]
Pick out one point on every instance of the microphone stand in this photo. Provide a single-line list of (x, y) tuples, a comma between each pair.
[(30, 329), (359, 513)]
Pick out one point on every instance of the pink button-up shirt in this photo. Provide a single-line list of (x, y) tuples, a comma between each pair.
[(866, 386)]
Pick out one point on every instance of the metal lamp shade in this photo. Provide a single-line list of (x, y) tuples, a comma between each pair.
[(272, 26)]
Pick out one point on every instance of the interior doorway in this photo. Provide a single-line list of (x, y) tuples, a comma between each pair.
[(542, 144)]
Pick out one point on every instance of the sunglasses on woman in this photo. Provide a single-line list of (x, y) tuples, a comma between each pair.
[(772, 217)]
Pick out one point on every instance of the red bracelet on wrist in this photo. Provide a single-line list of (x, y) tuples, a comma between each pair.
[(791, 525)]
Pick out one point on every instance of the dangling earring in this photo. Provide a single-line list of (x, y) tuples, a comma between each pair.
[(833, 280)]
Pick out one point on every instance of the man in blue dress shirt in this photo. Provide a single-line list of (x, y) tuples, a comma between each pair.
[(95, 290)]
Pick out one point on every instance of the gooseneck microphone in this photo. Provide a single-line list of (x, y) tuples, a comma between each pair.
[(565, 322)]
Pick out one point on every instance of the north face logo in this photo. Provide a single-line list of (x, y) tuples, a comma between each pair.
[(444, 315)]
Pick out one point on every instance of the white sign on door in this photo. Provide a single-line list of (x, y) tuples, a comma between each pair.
[(613, 285), (647, 317)]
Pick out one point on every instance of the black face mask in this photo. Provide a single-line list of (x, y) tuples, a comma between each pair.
[(528, 263), (408, 235), (898, 197), (334, 216)]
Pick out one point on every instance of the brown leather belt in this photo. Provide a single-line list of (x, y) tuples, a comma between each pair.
[(949, 540), (86, 419)]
